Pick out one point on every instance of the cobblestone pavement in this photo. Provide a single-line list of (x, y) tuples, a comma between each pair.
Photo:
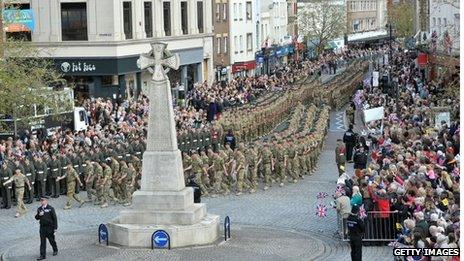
[(290, 209)]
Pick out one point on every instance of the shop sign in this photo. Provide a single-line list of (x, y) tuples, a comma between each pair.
[(77, 67), (422, 59), (16, 20)]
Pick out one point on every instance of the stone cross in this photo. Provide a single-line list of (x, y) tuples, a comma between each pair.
[(161, 128), (156, 59)]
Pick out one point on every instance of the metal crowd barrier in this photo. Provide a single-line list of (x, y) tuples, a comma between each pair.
[(380, 226)]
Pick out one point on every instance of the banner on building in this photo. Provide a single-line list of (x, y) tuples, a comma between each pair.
[(373, 114), (422, 59), (16, 20)]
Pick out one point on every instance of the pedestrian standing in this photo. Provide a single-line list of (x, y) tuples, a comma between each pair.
[(48, 226), (355, 232), (349, 138)]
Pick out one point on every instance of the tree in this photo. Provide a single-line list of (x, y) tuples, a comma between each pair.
[(322, 21), (401, 17), (25, 80)]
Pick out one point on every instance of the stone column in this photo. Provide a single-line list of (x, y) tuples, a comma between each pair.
[(192, 16), (183, 75), (121, 86), (137, 20), (92, 19), (158, 21), (55, 19), (138, 85), (176, 27), (118, 21), (207, 20)]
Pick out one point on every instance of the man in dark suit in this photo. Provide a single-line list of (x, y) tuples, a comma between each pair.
[(48, 226), (350, 141)]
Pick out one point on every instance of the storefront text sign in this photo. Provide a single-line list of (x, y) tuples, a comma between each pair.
[(77, 67)]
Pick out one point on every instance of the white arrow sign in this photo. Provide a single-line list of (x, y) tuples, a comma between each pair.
[(159, 239)]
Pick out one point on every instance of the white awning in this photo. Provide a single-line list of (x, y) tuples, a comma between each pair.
[(366, 35)]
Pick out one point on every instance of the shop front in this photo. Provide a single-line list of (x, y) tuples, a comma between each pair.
[(120, 78), (101, 76), (243, 68)]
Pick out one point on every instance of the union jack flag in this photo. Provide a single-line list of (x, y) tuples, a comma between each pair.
[(362, 212), (321, 210), (456, 172), (322, 195), (339, 189)]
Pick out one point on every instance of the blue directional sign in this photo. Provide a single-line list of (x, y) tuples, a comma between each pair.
[(160, 239), (103, 233)]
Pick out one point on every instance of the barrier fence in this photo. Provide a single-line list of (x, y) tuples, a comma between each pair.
[(379, 226)]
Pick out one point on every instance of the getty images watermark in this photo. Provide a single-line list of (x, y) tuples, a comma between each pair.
[(426, 251)]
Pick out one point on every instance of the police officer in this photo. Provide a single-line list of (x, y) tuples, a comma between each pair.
[(48, 225), (349, 138), (355, 232)]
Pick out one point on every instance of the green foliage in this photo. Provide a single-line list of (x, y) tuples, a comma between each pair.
[(401, 17), (24, 78), (323, 21)]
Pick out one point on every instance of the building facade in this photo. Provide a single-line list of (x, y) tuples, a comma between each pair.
[(292, 11), (221, 40), (444, 20), (96, 43), (243, 24), (365, 15), (273, 35)]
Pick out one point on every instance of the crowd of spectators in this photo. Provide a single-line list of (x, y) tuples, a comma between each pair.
[(412, 176)]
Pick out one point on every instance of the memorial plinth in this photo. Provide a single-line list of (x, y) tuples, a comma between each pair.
[(163, 202)]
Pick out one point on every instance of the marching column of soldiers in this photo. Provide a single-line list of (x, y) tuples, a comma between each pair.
[(285, 159), (109, 174)]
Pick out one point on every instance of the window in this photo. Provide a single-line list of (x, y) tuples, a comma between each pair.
[(355, 25), (240, 14), (225, 44), (224, 12), (218, 45), (434, 22), (241, 43), (236, 44), (200, 17), (23, 35), (218, 11), (148, 14), (248, 10), (249, 42), (127, 19), (167, 18), (184, 17), (444, 22), (235, 12), (74, 22)]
